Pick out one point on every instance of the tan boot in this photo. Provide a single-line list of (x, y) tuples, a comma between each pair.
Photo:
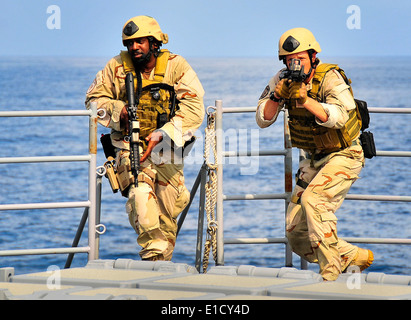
[(363, 259), (158, 257)]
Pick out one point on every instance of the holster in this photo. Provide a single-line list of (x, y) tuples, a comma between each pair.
[(120, 178), (111, 174)]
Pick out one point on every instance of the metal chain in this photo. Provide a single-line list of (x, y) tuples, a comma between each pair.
[(210, 190)]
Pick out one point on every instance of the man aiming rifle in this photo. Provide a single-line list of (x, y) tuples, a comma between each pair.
[(324, 122)]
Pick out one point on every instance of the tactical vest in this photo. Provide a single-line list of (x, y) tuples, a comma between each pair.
[(308, 135), (156, 102)]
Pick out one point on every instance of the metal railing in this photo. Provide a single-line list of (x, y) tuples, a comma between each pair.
[(90, 204), (287, 154)]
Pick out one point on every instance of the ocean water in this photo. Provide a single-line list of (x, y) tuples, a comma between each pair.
[(60, 83)]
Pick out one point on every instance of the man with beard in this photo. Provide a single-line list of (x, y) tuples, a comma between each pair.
[(169, 99)]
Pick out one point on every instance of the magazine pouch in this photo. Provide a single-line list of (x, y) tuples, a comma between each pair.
[(368, 145)]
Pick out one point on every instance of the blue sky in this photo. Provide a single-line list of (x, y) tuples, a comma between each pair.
[(206, 28)]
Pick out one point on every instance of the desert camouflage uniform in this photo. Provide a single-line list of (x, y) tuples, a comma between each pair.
[(161, 193), (311, 224)]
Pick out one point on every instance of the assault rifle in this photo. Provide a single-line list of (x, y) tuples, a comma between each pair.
[(295, 72), (134, 127)]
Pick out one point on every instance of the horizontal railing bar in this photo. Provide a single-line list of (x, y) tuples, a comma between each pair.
[(370, 109), (377, 240), (45, 205), (378, 197), (254, 240), (389, 110), (254, 153), (239, 109), (285, 195), (45, 113), (394, 153), (285, 240), (22, 252), (45, 159), (256, 196), (284, 152)]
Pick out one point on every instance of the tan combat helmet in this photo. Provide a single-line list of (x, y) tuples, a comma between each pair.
[(297, 40), (143, 26)]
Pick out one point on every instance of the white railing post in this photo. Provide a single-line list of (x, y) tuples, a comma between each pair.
[(92, 187), (219, 205), (288, 182)]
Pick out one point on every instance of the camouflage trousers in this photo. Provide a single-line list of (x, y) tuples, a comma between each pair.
[(154, 205), (311, 223)]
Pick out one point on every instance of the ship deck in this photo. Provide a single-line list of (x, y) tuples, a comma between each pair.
[(126, 279)]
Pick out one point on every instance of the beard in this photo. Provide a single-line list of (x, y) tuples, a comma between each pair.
[(142, 60)]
